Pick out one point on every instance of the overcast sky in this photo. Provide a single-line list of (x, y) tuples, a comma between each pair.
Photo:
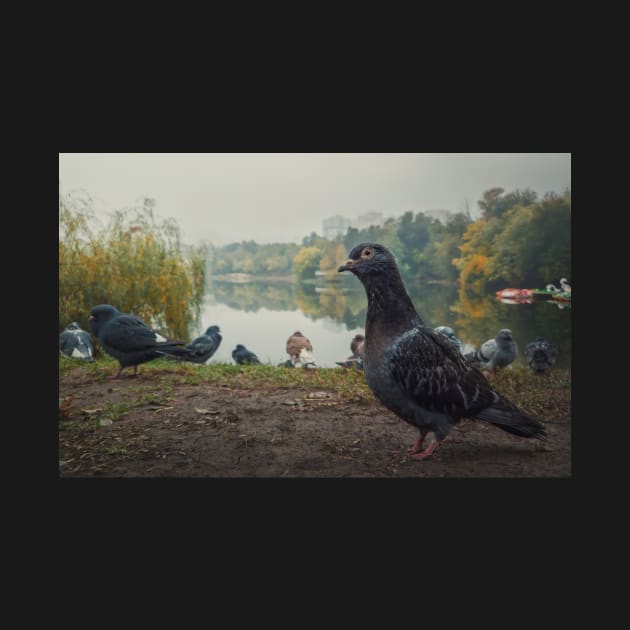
[(280, 197)]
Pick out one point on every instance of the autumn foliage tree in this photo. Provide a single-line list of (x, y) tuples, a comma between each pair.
[(136, 263)]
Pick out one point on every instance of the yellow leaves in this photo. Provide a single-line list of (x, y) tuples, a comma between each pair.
[(142, 274)]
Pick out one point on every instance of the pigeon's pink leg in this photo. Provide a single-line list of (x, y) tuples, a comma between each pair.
[(117, 375), (416, 447), (427, 451)]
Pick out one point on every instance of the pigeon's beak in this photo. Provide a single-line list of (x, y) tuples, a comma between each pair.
[(91, 317), (347, 266)]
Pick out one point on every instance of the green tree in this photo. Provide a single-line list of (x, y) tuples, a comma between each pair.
[(306, 261)]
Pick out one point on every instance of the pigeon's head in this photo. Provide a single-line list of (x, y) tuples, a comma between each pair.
[(504, 335), (358, 338), (213, 330), (369, 258), (239, 347), (450, 333), (100, 315), (73, 326), (297, 333)]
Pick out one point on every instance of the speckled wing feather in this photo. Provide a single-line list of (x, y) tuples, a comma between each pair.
[(434, 374)]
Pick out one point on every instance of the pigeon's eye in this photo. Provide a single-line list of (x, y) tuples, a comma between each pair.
[(367, 252)]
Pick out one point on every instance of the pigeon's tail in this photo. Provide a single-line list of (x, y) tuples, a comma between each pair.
[(176, 352), (506, 416)]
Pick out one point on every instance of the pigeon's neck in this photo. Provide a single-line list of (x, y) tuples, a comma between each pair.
[(389, 306)]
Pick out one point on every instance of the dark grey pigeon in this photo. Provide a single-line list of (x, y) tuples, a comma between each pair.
[(204, 346), (243, 356), (541, 354), (416, 372), (76, 343), (128, 339), (495, 353), (450, 334)]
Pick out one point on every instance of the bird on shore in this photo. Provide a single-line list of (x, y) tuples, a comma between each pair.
[(450, 335), (541, 354), (127, 338), (566, 287), (204, 346), (300, 350), (495, 353), (75, 342), (416, 372), (355, 360), (243, 356)]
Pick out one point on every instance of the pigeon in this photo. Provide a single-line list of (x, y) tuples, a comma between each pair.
[(128, 339), (495, 353), (356, 359), (204, 346), (243, 356), (416, 372), (357, 346), (300, 349), (450, 334), (540, 354), (76, 343)]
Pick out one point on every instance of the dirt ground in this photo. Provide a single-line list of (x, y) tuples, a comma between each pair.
[(129, 428)]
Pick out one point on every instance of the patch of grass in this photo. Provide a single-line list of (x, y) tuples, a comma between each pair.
[(115, 411), (538, 394)]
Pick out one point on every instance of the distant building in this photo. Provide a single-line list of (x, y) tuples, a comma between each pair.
[(335, 226), (338, 225)]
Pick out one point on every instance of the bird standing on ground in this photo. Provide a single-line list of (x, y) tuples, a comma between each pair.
[(75, 342), (204, 346), (416, 372), (128, 339), (243, 356), (495, 353), (541, 354), (300, 350)]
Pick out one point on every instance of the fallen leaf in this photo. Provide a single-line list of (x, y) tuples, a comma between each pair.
[(91, 411)]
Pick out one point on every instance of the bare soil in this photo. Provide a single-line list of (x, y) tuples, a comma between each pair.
[(137, 427)]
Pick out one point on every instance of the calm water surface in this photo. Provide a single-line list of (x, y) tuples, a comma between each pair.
[(261, 315)]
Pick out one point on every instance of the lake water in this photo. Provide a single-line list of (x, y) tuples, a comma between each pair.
[(262, 315)]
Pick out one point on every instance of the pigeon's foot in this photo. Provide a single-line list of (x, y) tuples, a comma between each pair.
[(427, 451), (416, 447)]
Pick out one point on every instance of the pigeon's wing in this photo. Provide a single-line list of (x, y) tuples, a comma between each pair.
[(129, 333), (434, 374), (201, 346), (85, 343), (488, 349), (294, 345), (67, 342)]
